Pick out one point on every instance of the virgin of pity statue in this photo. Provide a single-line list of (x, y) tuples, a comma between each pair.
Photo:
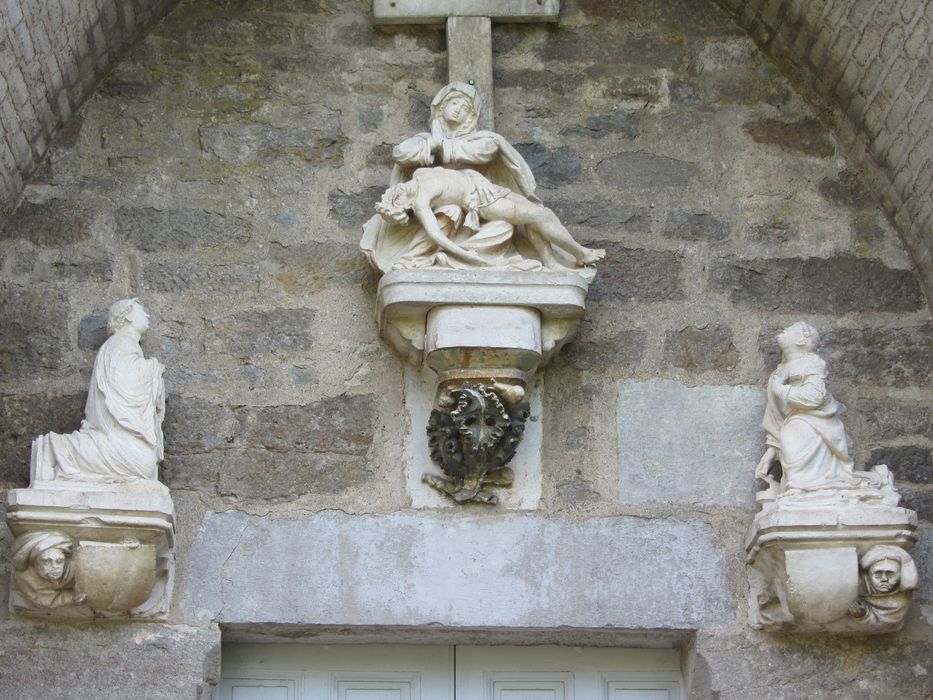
[(454, 142)]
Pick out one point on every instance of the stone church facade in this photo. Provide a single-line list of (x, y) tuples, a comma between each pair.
[(744, 164)]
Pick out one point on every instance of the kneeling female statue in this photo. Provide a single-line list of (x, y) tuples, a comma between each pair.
[(120, 439), (805, 434)]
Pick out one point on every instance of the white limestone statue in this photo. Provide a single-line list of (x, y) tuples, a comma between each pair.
[(827, 553), (465, 233), (42, 569), (120, 439), (805, 434), (431, 189), (889, 577)]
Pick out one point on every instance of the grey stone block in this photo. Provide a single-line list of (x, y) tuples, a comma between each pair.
[(909, 462), (607, 215), (817, 285), (694, 226), (340, 424), (891, 419), (32, 331), (624, 349), (551, 167), (108, 662), (627, 274), (467, 571), (254, 332), (690, 444), (619, 123), (54, 223), (24, 417), (888, 356), (210, 280), (285, 476), (352, 210), (706, 348), (641, 170), (807, 136), (92, 331), (153, 230)]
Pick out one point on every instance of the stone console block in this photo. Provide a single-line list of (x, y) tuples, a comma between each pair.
[(92, 552), (805, 572), (542, 310)]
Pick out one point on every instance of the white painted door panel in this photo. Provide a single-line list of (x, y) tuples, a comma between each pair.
[(400, 672), (339, 672), (566, 673)]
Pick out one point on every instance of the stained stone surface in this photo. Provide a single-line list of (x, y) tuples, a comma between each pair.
[(690, 444), (277, 119), (162, 662), (405, 569)]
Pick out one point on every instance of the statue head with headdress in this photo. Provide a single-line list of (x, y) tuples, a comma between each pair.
[(887, 569), (48, 554), (455, 111)]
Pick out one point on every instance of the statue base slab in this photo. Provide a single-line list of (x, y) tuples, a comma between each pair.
[(502, 318), (120, 549), (804, 574)]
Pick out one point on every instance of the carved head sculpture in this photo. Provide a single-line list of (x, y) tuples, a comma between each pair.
[(799, 336), (395, 203), (887, 569), (49, 555), (455, 111), (127, 312)]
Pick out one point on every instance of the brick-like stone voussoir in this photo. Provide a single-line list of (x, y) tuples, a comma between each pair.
[(470, 571)]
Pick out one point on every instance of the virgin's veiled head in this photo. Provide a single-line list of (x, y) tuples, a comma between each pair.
[(445, 125)]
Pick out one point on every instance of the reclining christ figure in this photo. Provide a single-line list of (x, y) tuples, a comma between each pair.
[(431, 188)]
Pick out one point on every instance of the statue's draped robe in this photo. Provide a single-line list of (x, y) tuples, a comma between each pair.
[(802, 424), (389, 246), (120, 438)]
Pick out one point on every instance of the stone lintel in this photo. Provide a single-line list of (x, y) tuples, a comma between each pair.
[(437, 11), (505, 571)]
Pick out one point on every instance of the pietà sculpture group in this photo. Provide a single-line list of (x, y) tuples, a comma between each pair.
[(482, 284), (464, 242)]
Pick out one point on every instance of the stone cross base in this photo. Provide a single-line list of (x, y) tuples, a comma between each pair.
[(90, 552)]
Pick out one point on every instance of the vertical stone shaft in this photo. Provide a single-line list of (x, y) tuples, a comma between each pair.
[(469, 50)]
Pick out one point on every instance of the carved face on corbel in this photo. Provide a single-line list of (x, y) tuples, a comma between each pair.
[(886, 570), (50, 564), (884, 576)]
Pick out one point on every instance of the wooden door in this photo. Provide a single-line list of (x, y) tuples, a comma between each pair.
[(340, 672), (566, 673), (401, 672)]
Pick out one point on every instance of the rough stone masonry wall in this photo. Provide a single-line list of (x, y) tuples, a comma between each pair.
[(221, 173), (870, 63), (52, 53)]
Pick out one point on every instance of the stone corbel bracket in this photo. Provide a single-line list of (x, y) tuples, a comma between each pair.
[(117, 549), (808, 573), (547, 306), (485, 333)]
